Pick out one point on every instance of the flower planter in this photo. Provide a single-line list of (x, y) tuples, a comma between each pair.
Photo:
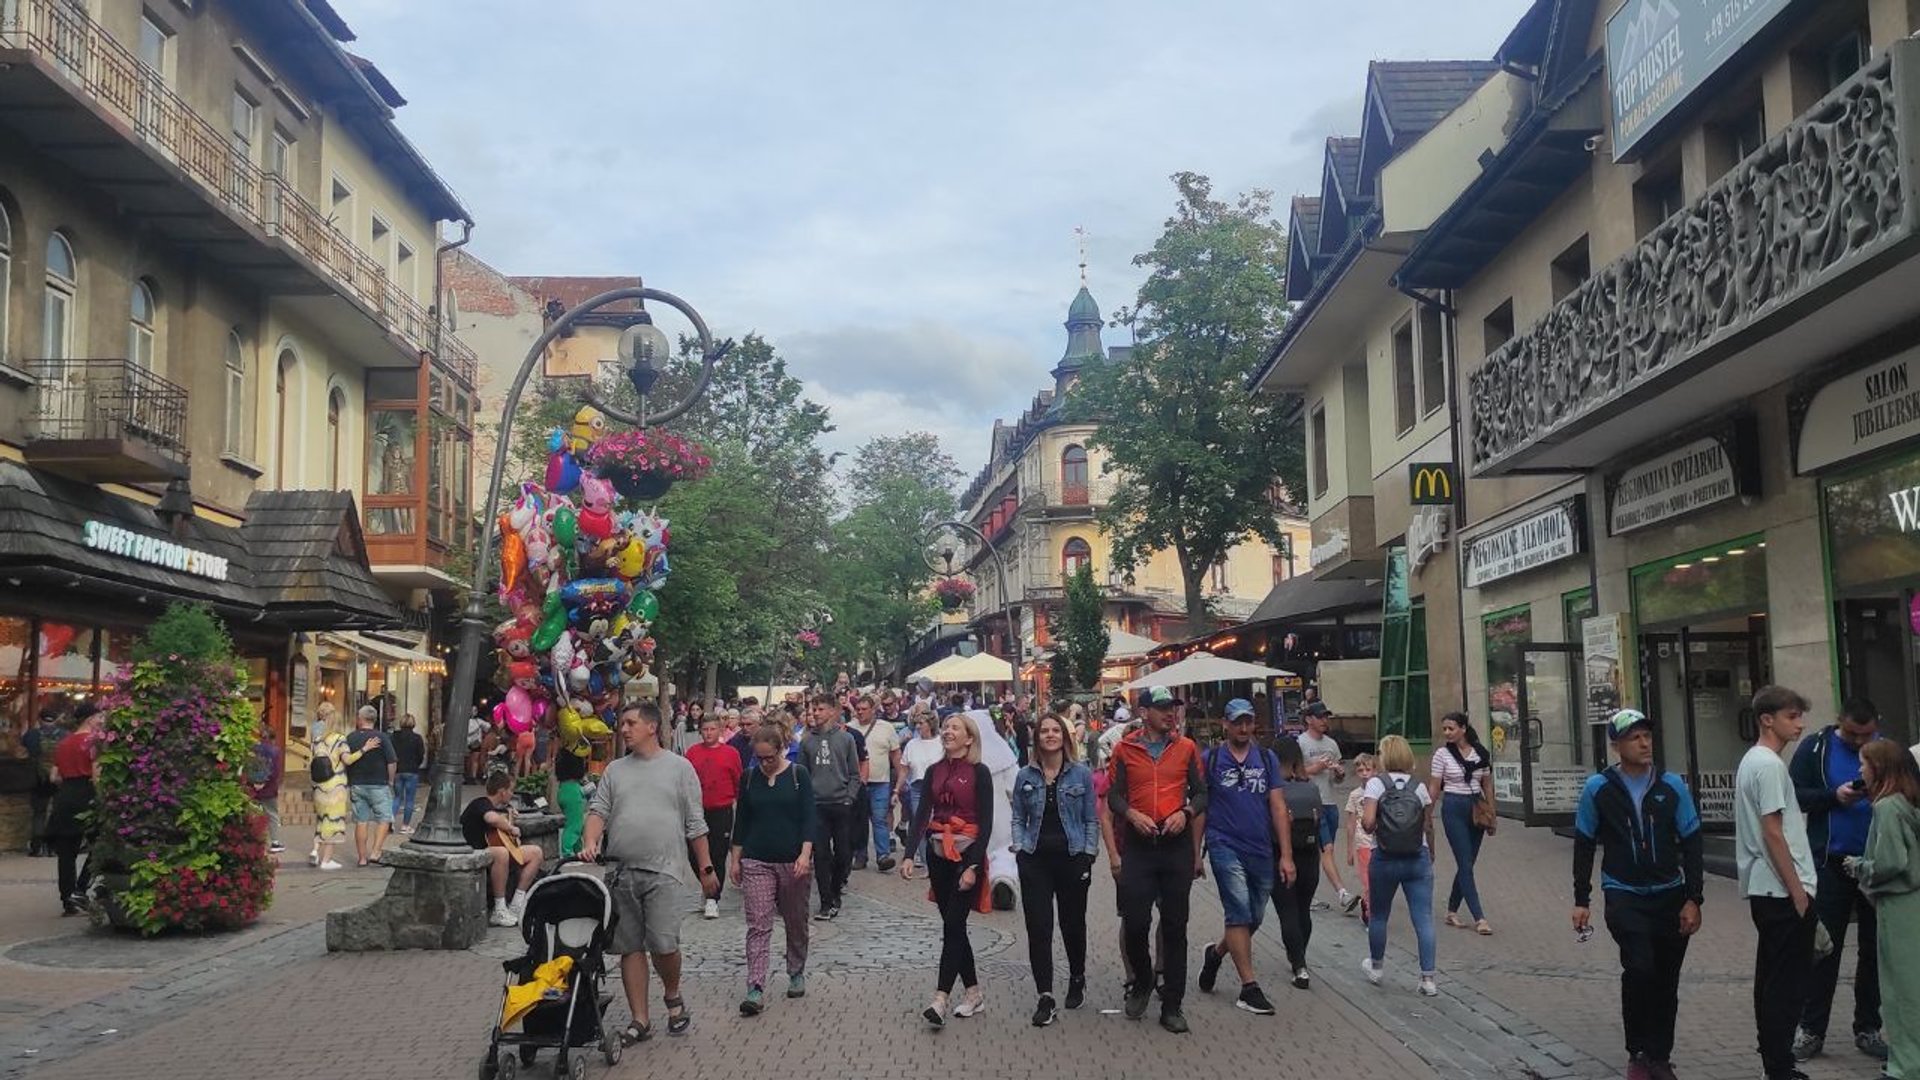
[(640, 486), (952, 601)]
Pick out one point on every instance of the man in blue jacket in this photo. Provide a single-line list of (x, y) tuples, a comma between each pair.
[(1826, 784), (1648, 829)]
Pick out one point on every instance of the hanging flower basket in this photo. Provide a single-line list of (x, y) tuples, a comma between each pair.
[(808, 638), (953, 592), (643, 465)]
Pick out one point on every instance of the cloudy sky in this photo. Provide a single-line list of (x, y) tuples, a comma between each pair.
[(887, 189)]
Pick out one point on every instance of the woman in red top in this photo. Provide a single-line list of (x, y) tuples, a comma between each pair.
[(73, 770), (955, 817), (719, 769)]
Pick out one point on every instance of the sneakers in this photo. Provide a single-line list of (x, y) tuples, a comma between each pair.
[(502, 917), (1374, 971), (796, 986), (1172, 1020), (276, 848), (1301, 980), (1428, 988), (886, 863), (1871, 1043), (1638, 1068), (936, 1012), (1322, 905), (1076, 993), (332, 864), (827, 912), (1138, 996), (1252, 1000), (712, 910), (1210, 960), (754, 1003), (1348, 901), (1807, 1045), (1002, 896), (973, 1002), (1045, 1013)]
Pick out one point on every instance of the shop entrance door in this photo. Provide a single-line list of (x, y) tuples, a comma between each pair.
[(1698, 686), (1551, 773), (1877, 659)]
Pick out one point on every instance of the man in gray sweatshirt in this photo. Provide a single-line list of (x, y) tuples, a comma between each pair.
[(832, 759)]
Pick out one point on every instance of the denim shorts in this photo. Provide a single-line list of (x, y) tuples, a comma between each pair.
[(1245, 884), (1329, 826), (372, 803)]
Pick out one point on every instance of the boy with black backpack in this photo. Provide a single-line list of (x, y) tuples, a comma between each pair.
[(1398, 811), (1244, 825)]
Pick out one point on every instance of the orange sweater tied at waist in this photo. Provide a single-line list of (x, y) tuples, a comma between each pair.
[(950, 832)]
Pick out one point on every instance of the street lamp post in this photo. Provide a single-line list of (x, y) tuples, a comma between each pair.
[(641, 344), (944, 548)]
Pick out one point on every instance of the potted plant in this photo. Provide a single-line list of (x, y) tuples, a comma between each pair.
[(180, 844), (953, 592), (644, 464)]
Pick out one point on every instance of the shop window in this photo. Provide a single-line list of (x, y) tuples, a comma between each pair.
[(1873, 526), (67, 668), (1728, 583), (1403, 379), (1433, 360), (15, 669), (392, 447), (1504, 632), (1317, 436), (1405, 706), (1497, 328), (1571, 269), (1577, 607), (1073, 555)]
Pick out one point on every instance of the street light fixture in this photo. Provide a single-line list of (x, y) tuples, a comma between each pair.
[(948, 536), (440, 825)]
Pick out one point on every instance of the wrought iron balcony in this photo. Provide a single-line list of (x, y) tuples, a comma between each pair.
[(106, 421), (70, 50), (1053, 495), (1803, 220)]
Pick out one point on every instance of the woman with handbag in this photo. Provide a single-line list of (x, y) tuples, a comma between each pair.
[(1461, 782)]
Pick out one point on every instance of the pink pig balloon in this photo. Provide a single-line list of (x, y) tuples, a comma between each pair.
[(519, 710)]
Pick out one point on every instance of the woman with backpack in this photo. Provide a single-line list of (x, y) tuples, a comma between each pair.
[(1399, 813), (1461, 781), (327, 769), (1294, 899)]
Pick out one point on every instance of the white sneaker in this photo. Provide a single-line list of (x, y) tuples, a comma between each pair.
[(1427, 987), (1346, 900), (503, 917), (712, 910), (332, 864), (972, 1003), (313, 858), (1374, 971)]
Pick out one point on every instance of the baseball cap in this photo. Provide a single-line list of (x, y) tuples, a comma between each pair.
[(1238, 707), (1625, 721), (1158, 696), (1317, 708)]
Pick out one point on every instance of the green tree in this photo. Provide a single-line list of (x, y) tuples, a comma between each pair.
[(1081, 646), (1197, 453)]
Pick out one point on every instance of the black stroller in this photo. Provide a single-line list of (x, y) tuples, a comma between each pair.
[(568, 913)]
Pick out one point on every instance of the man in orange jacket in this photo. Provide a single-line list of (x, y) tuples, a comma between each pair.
[(1158, 789)]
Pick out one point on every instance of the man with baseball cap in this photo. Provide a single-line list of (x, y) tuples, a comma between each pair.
[(1156, 794), (1652, 873)]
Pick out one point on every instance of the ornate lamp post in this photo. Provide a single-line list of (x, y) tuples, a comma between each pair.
[(947, 542), (642, 346)]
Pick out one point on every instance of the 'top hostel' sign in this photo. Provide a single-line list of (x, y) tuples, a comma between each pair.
[(1659, 52)]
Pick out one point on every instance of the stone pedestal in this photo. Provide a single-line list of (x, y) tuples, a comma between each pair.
[(434, 900)]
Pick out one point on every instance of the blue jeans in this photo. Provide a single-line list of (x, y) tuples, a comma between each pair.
[(915, 791), (1390, 873), (879, 802), (1456, 817), (1245, 884), (405, 785)]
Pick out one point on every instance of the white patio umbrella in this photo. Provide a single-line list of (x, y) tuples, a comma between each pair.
[(933, 670), (1204, 667), (1123, 646), (980, 667)]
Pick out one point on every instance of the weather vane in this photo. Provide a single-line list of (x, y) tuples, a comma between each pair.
[(1080, 232)]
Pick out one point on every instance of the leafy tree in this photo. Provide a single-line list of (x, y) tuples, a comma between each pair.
[(1081, 646), (1197, 451)]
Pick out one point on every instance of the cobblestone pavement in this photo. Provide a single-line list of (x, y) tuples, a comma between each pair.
[(1525, 1003)]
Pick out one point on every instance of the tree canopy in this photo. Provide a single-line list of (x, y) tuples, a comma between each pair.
[(1080, 647)]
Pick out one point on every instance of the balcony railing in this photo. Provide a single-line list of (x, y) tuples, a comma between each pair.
[(1820, 200), (1056, 494), (107, 420), (105, 71)]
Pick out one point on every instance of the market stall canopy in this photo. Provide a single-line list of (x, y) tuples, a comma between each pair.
[(933, 670), (980, 667), (391, 652), (1124, 646), (1204, 667)]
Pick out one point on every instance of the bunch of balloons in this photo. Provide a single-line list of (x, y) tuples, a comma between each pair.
[(580, 576)]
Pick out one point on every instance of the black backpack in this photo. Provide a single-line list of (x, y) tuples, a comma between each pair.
[(1399, 819), (321, 768)]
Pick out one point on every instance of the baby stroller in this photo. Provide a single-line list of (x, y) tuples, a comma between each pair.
[(569, 914)]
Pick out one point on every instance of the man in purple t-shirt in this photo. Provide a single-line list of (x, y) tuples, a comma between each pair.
[(1244, 824)]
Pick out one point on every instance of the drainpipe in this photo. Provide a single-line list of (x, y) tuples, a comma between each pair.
[(439, 281), (1452, 322)]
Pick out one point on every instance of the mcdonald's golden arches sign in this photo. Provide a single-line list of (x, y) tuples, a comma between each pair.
[(1431, 483)]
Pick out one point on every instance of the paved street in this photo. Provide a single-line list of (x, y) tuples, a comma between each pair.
[(270, 1001)]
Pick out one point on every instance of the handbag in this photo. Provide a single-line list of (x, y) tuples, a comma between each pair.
[(1484, 816)]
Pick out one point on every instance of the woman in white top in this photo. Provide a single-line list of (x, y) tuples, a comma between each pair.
[(1462, 776), (916, 758), (1402, 860)]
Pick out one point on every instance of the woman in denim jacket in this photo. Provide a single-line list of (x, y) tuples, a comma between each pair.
[(1056, 834)]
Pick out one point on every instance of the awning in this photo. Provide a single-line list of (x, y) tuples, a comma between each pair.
[(389, 651), (932, 671), (980, 667), (1306, 597), (310, 562), (1123, 647)]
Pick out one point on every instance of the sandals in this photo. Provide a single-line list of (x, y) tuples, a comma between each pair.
[(679, 1017), (1455, 921), (1483, 929), (636, 1032)]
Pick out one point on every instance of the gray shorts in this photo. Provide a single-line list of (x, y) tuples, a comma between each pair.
[(647, 907), (372, 803)]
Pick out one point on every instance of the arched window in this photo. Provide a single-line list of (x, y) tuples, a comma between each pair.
[(1073, 476), (239, 441), (1074, 555), (6, 277), (63, 295), (336, 405), (142, 316), (283, 415)]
